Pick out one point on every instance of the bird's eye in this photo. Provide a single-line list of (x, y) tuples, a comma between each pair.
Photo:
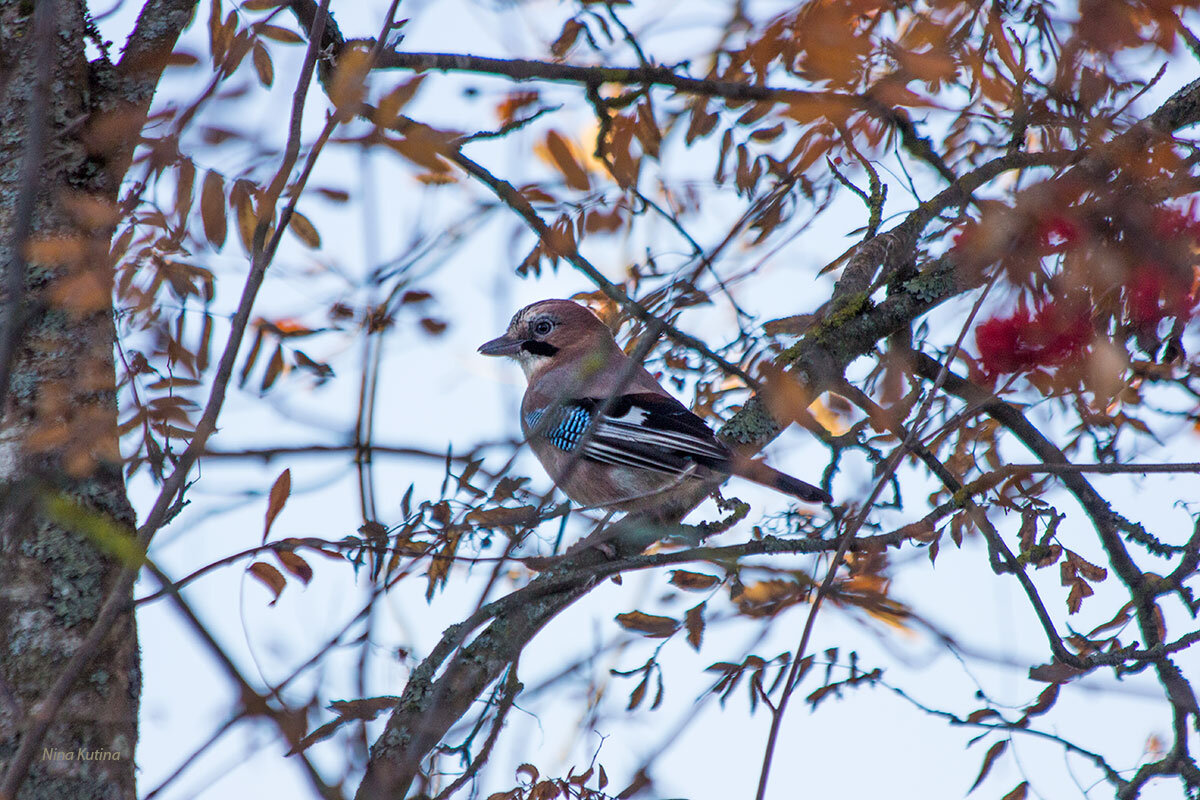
[(542, 327)]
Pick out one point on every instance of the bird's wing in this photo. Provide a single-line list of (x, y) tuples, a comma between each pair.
[(644, 430)]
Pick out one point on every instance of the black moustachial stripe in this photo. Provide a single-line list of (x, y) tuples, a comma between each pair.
[(538, 348)]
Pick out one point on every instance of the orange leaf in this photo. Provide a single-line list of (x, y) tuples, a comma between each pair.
[(278, 497), (390, 104), (568, 165), (347, 87)]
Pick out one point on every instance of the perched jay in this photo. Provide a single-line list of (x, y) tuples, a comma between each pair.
[(647, 452)]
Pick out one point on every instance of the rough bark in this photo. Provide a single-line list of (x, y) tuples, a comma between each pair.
[(58, 437)]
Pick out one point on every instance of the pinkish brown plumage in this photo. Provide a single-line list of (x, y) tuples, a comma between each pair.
[(605, 430)]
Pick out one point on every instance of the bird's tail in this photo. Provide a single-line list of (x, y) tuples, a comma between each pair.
[(755, 470)]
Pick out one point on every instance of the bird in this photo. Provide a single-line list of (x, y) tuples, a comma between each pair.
[(608, 434)]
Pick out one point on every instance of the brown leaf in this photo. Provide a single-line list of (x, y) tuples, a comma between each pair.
[(295, 565), (333, 195), (507, 109), (795, 325), (434, 327), (305, 231), (1054, 672), (653, 626), (263, 65), (622, 163), (521, 516), (1119, 619), (1079, 590), (982, 714), (639, 693), (922, 530), (181, 58), (212, 208), (702, 122), (769, 597), (787, 398), (646, 130), (274, 368), (279, 34), (693, 581), (564, 158), (271, 577), (367, 708), (694, 622), (1086, 568), (566, 38), (1018, 793), (348, 85), (251, 355), (768, 134), (348, 711), (415, 296), (423, 146), (247, 220), (439, 567), (1044, 701), (994, 752), (184, 188), (280, 491), (388, 110), (1028, 530), (56, 249)]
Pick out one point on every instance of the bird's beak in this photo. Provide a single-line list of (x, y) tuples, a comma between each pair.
[(503, 346)]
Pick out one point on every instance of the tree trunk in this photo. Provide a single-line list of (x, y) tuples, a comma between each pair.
[(58, 439)]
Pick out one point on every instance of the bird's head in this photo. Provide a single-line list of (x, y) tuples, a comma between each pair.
[(550, 332)]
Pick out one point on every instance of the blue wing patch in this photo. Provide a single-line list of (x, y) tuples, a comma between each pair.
[(644, 431), (567, 427)]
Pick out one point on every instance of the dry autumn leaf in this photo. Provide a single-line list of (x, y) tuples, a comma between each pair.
[(304, 230), (563, 157), (296, 565), (278, 497), (693, 581), (649, 624), (271, 578), (693, 621)]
